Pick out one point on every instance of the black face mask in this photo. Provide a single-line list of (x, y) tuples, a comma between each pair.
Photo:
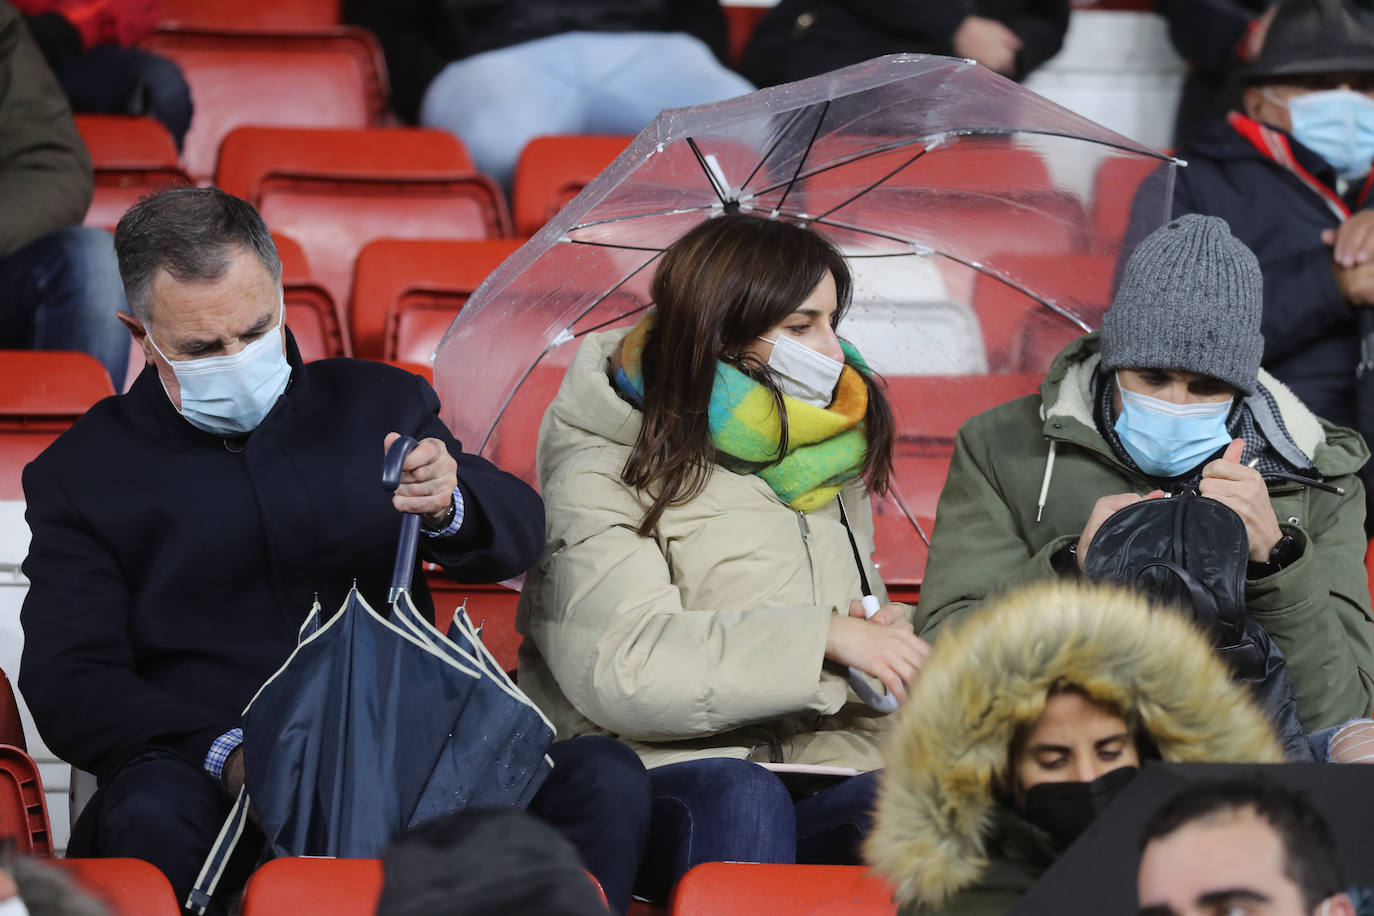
[(1065, 809)]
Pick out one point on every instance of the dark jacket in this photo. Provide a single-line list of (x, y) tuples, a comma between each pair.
[(170, 572), (45, 171), (420, 37), (1310, 333), (996, 507), (801, 38)]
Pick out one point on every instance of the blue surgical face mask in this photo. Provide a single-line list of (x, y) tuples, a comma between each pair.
[(230, 395), (1166, 439), (1338, 125)]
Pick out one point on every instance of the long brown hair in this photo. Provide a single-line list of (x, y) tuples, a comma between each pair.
[(716, 289)]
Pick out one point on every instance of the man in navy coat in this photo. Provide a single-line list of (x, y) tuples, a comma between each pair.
[(182, 531)]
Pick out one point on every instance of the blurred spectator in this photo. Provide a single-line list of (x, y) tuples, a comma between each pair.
[(29, 887), (59, 282), (499, 73), (800, 38), (1170, 397), (1216, 38), (1027, 722), (483, 862), (1242, 845), (90, 46), (1290, 176)]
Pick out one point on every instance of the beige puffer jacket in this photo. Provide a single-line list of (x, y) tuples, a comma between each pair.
[(705, 639)]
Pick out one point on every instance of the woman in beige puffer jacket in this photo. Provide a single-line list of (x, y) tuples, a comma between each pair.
[(698, 594)]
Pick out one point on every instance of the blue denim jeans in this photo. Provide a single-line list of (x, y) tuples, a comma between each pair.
[(112, 80), (722, 809), (574, 83), (61, 292)]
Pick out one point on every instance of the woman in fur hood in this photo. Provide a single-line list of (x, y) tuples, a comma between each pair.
[(1024, 723)]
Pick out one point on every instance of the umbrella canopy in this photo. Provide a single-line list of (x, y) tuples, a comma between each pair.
[(376, 725), (982, 222)]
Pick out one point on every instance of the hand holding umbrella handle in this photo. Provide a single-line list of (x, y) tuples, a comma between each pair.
[(881, 702), (410, 524)]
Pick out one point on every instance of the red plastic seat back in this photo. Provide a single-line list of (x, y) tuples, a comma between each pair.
[(11, 725), (334, 191), (131, 156), (339, 887), (406, 292), (747, 889), (127, 887), (250, 15), (23, 807), (42, 392), (552, 170), (332, 78)]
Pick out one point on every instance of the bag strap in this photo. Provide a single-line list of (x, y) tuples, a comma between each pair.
[(218, 859), (1203, 599)]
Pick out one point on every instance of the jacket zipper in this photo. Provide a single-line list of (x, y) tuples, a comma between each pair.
[(810, 560)]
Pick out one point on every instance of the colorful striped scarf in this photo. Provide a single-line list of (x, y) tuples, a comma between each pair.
[(826, 446)]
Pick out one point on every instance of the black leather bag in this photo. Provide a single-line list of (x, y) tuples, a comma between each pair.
[(1191, 552)]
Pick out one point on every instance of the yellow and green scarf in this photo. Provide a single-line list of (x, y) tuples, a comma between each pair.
[(826, 446)]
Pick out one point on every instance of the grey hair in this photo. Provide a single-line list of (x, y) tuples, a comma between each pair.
[(192, 234), (47, 891)]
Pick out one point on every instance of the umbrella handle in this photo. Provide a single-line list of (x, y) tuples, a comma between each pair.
[(410, 523)]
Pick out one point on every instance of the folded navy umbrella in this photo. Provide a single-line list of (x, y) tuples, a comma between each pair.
[(375, 725)]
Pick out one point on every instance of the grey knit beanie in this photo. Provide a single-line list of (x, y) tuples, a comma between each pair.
[(1191, 298)]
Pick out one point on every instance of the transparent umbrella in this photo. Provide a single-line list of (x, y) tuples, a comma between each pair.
[(983, 224)]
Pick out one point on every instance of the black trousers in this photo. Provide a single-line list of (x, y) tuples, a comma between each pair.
[(168, 811)]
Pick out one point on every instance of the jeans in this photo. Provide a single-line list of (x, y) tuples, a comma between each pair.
[(61, 292), (722, 809), (598, 797), (574, 83), (113, 80)]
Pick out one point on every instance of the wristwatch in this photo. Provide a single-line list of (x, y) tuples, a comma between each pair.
[(1284, 554), (448, 518)]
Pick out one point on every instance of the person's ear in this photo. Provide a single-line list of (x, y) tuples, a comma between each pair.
[(138, 332), (1252, 100), (1339, 905)]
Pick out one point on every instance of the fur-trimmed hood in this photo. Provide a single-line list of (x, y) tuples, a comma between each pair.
[(993, 674)]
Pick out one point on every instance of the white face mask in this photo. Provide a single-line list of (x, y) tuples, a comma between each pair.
[(803, 373), (13, 907), (230, 395)]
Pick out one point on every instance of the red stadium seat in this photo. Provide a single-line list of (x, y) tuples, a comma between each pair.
[(250, 15), (131, 156), (339, 887), (747, 889), (11, 726), (740, 22), (491, 607), (23, 807), (42, 392), (334, 191), (406, 292), (127, 887), (311, 314), (333, 78), (552, 170)]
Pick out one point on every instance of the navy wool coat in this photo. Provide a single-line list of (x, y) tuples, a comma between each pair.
[(170, 568)]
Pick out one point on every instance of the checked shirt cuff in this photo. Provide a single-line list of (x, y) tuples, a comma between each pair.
[(454, 525), (219, 752)]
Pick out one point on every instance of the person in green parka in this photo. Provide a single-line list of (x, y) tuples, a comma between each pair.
[(1170, 396), (1026, 721)]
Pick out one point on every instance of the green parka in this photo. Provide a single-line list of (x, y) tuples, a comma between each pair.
[(945, 833), (45, 171), (1026, 474)]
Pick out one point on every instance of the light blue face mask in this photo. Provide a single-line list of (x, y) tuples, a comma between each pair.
[(1338, 125), (1167, 439), (230, 395)]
